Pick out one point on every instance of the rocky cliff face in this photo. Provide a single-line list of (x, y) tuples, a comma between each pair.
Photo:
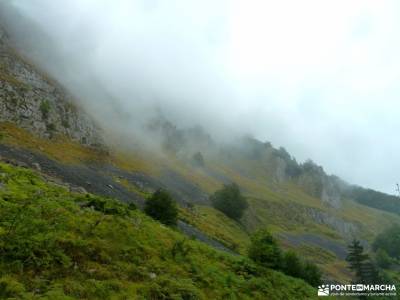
[(33, 102)]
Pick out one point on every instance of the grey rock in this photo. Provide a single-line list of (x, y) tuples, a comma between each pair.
[(344, 228), (37, 167), (33, 102), (78, 190), (22, 165)]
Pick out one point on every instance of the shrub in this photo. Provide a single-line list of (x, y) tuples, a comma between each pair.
[(168, 288), (198, 159), (108, 206), (65, 123), (162, 207), (264, 250), (230, 201), (51, 127), (180, 248), (10, 288), (45, 109), (383, 259), (292, 265), (389, 240), (311, 274)]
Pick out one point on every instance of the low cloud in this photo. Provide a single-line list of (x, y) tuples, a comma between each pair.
[(315, 77)]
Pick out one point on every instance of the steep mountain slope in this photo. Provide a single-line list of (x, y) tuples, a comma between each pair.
[(303, 222), (61, 245), (37, 104), (307, 210)]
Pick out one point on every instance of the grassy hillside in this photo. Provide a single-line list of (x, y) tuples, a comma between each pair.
[(302, 222), (59, 245), (218, 226)]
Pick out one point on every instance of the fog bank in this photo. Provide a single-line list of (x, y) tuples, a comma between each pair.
[(319, 78)]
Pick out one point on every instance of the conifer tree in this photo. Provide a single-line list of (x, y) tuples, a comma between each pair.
[(359, 261)]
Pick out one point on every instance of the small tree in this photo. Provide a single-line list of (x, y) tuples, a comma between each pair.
[(383, 259), (311, 274), (292, 265), (198, 159), (162, 207), (357, 259), (230, 201), (369, 272), (265, 251), (389, 240)]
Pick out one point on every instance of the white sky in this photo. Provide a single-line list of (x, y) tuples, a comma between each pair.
[(318, 77)]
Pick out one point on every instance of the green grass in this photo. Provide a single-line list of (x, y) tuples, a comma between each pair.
[(279, 207), (56, 245), (60, 148), (132, 188), (218, 226)]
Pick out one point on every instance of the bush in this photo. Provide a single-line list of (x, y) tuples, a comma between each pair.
[(168, 288), (51, 127), (180, 248), (108, 206), (383, 260), (160, 206), (198, 159), (292, 265), (389, 240), (265, 251), (10, 288), (230, 201), (311, 274), (45, 109)]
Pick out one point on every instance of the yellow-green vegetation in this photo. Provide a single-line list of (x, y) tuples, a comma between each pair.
[(136, 161), (11, 80), (59, 148), (281, 215), (281, 207), (132, 188), (59, 245), (374, 220), (218, 226)]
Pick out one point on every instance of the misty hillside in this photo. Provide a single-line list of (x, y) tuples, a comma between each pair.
[(61, 159)]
